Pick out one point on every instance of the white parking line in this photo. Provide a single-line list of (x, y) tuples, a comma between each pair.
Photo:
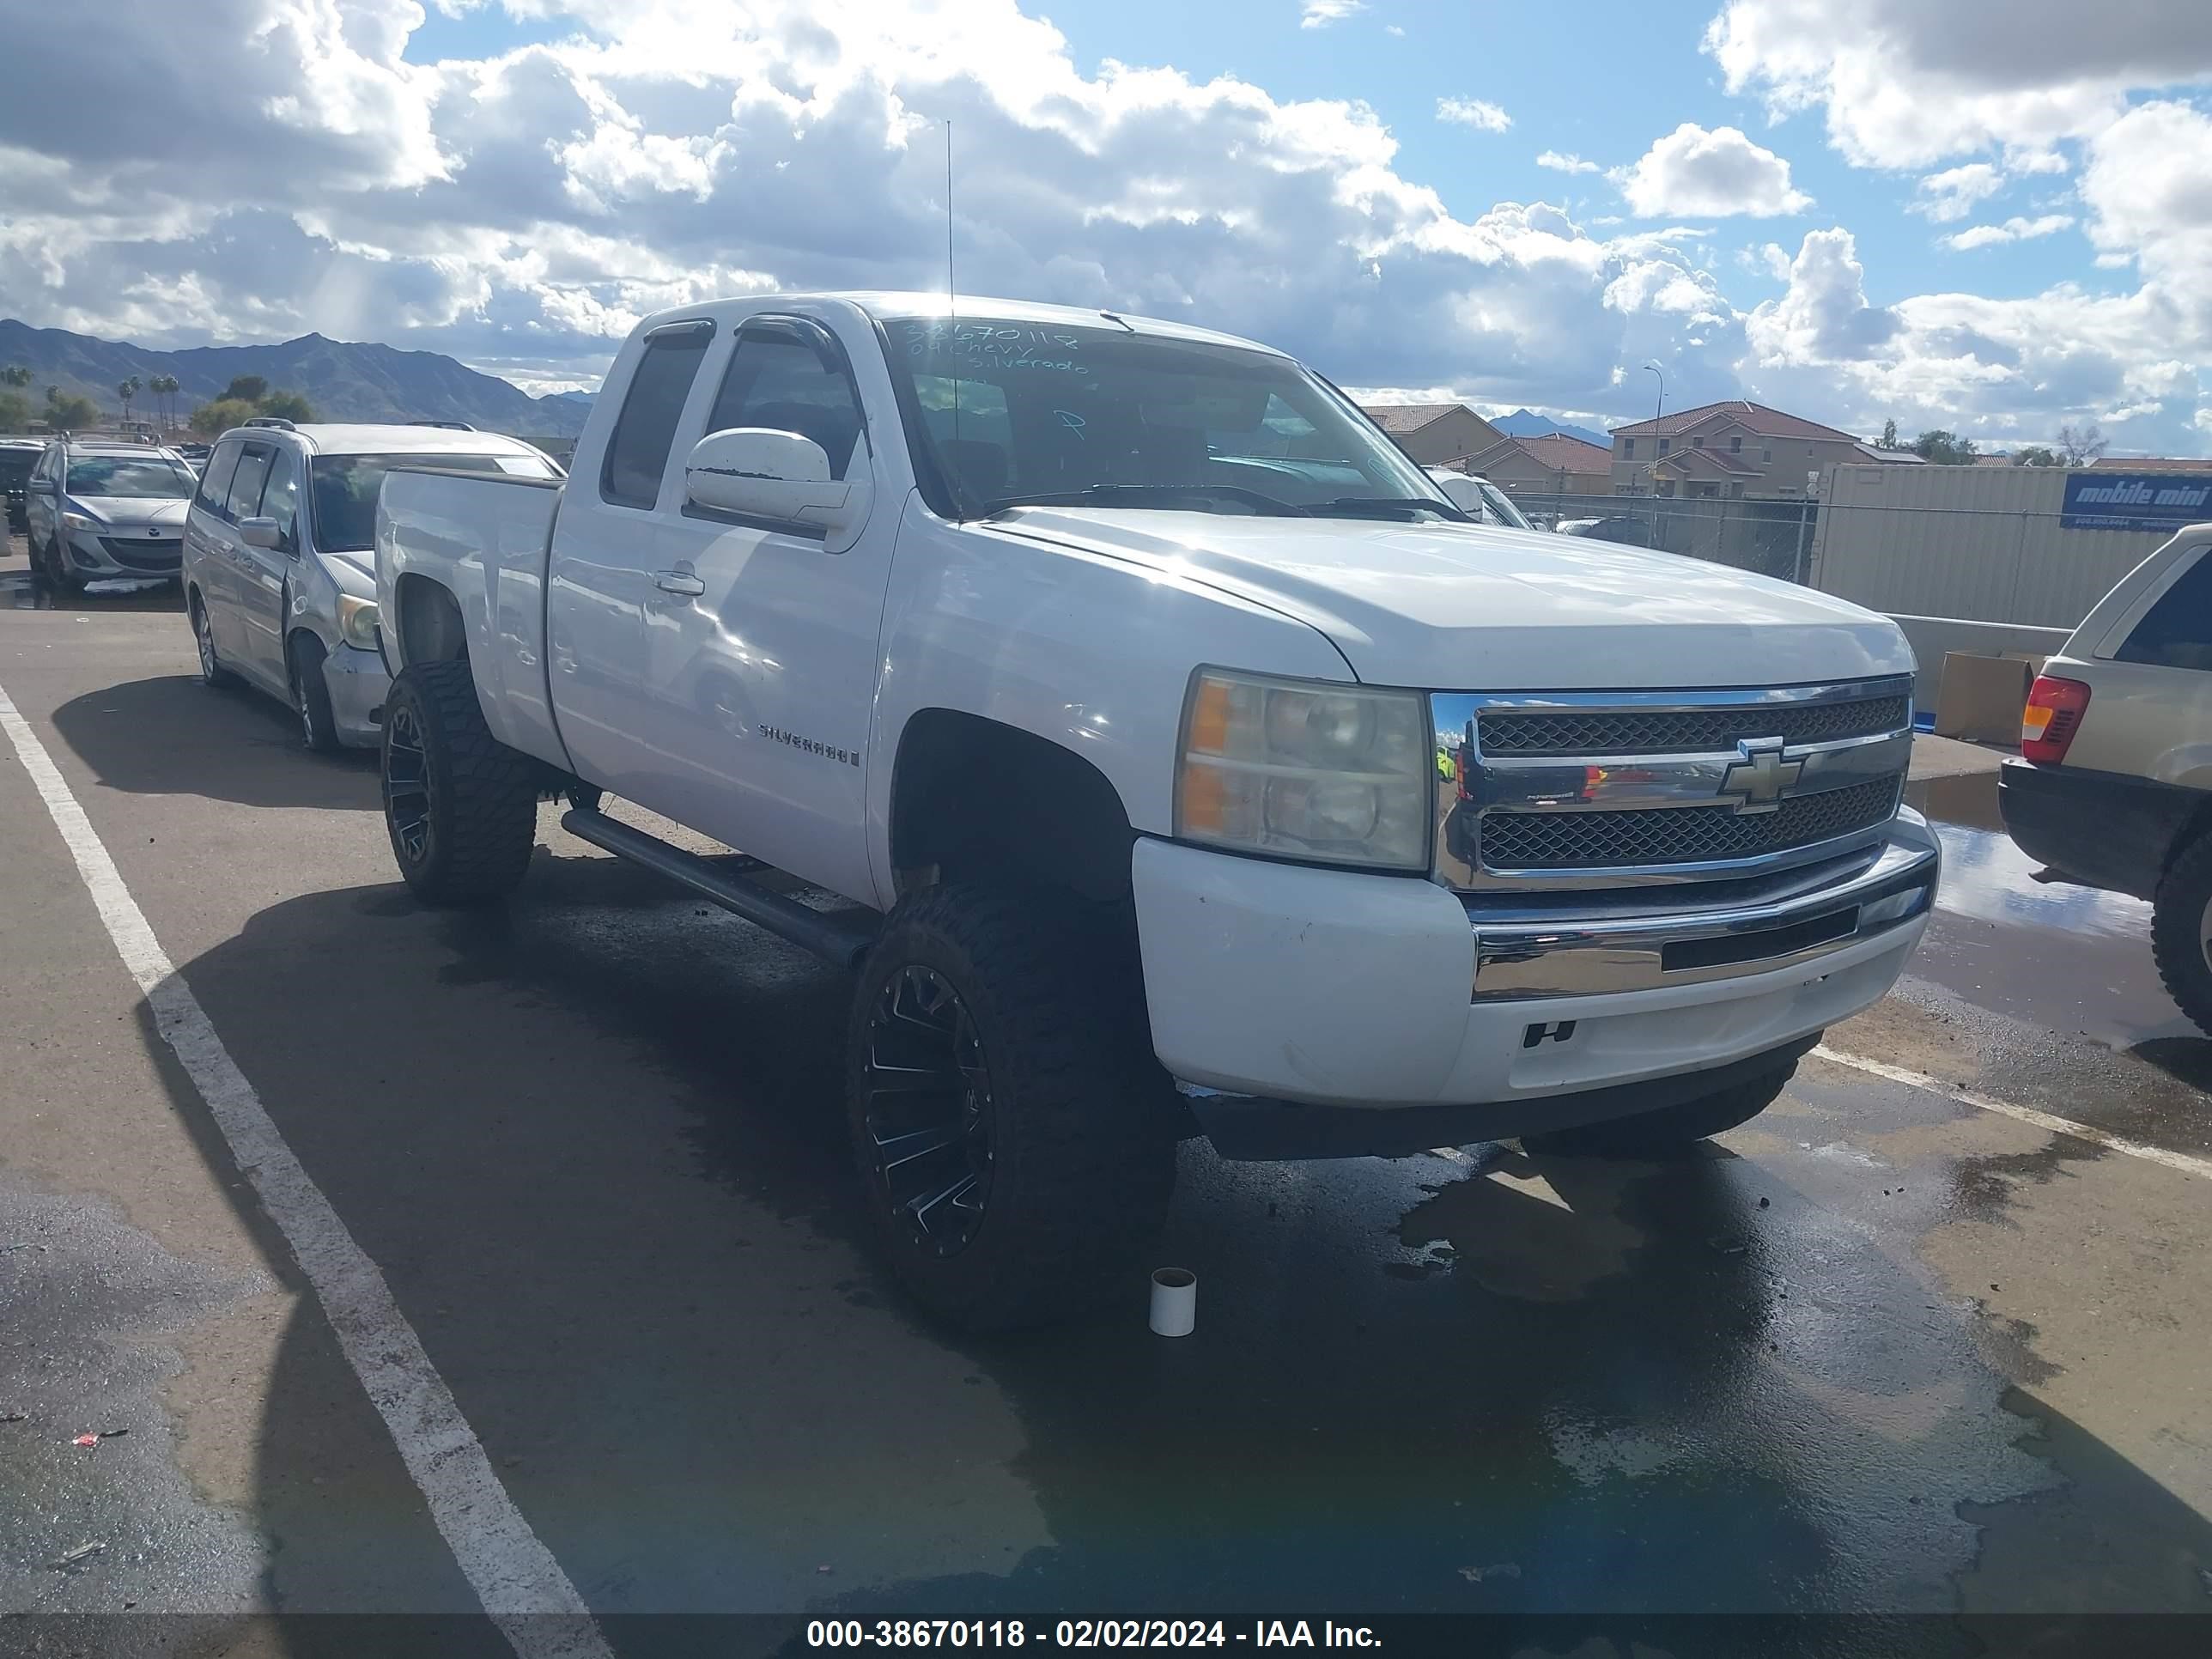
[(514, 1575), (2057, 1126)]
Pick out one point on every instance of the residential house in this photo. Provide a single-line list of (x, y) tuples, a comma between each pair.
[(1435, 435), (1555, 464), (1733, 451)]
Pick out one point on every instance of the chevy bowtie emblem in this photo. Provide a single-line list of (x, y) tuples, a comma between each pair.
[(1758, 782)]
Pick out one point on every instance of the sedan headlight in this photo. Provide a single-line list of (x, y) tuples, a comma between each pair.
[(80, 521), (357, 621), (1300, 768)]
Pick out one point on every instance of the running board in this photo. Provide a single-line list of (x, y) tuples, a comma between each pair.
[(836, 938)]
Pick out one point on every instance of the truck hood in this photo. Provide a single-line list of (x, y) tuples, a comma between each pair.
[(1450, 606)]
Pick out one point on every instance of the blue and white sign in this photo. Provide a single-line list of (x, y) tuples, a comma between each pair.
[(2135, 500)]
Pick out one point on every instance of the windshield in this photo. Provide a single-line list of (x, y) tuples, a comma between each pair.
[(1110, 418), (129, 477), (345, 489), (1501, 507)]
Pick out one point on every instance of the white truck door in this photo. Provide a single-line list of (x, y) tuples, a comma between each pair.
[(761, 641)]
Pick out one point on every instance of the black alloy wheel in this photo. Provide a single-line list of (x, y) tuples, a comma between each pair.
[(927, 1107), (410, 792)]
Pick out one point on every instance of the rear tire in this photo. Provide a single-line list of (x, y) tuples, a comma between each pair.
[(1668, 1132), (2181, 932), (311, 696), (212, 672), (459, 805), (1046, 1159)]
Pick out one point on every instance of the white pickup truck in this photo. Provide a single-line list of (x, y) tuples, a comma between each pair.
[(1187, 764)]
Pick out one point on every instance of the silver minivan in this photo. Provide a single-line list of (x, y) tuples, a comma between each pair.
[(280, 559)]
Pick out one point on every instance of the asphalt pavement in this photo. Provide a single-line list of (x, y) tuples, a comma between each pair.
[(1899, 1346)]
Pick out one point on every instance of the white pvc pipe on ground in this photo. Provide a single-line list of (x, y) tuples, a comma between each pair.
[(1175, 1301)]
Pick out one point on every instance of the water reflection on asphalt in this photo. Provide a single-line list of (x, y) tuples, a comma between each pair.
[(1985, 875)]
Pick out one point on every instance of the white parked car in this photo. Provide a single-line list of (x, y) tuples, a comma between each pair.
[(96, 510), (279, 571), (1479, 499), (2114, 788), (1179, 762)]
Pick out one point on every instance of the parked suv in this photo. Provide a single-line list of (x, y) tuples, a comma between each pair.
[(279, 566), (17, 457), (2114, 788), (100, 508)]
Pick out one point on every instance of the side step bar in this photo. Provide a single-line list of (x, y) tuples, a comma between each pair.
[(840, 939)]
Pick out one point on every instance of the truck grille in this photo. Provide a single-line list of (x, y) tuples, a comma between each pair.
[(1680, 834), (1546, 731)]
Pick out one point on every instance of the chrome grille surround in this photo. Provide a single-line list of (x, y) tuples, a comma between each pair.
[(1765, 778)]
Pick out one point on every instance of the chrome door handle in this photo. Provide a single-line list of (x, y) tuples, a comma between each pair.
[(682, 583)]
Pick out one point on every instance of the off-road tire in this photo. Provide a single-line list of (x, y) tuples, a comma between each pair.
[(1081, 1114), (2177, 918), (212, 672), (1667, 1133), (311, 696), (479, 809)]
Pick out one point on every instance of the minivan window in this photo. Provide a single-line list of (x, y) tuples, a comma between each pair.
[(280, 496), (214, 483), (2177, 631), (343, 488), (637, 455), (129, 477), (245, 498)]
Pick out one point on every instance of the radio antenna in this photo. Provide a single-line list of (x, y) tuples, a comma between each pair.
[(952, 314)]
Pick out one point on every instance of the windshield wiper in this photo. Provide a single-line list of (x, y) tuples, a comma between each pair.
[(1109, 494), (1356, 506)]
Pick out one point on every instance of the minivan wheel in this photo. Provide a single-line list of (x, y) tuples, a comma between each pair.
[(311, 694), (1012, 1128), (460, 806), (212, 672), (2181, 932), (1669, 1131)]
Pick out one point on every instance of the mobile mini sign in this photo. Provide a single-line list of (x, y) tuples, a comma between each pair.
[(2135, 500)]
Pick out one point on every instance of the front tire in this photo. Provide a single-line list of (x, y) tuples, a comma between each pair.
[(2181, 932), (1012, 1128), (311, 696), (1670, 1131), (459, 805)]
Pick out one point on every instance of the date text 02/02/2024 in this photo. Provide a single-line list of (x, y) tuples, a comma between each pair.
[(1083, 1633)]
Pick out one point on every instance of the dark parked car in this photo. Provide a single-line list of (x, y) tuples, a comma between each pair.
[(17, 457)]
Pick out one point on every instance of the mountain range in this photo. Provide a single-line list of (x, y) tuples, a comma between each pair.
[(345, 380), (1527, 424)]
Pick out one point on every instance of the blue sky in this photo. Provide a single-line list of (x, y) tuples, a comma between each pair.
[(1994, 216)]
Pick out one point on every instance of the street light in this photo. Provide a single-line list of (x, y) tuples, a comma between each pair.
[(1657, 409)]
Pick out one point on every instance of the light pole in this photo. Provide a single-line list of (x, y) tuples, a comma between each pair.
[(1657, 409)]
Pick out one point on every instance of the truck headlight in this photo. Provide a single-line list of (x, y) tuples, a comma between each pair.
[(357, 621), (1302, 769)]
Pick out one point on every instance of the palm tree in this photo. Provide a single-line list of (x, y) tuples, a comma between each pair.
[(14, 374), (164, 387), (127, 390)]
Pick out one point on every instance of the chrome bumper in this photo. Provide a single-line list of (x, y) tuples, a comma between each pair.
[(1518, 955)]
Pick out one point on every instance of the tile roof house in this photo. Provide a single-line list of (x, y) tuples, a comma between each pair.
[(1556, 462), (1435, 435), (1732, 450)]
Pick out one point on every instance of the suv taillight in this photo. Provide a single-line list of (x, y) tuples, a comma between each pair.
[(2053, 715)]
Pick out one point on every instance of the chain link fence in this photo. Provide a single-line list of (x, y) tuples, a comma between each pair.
[(1774, 538)]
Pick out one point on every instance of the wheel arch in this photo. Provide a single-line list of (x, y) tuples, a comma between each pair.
[(429, 624), (976, 798)]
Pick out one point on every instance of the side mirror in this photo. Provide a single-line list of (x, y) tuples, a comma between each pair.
[(782, 477), (261, 532)]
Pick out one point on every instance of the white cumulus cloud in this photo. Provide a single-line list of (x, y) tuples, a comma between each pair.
[(2015, 229), (1952, 194), (1477, 113), (1320, 13), (1559, 163), (1697, 173)]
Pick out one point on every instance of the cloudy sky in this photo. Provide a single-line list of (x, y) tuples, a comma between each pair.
[(1994, 216)]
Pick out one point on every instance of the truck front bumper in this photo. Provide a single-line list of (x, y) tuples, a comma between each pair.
[(1317, 1013)]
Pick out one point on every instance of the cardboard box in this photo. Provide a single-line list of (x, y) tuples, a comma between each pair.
[(1980, 697)]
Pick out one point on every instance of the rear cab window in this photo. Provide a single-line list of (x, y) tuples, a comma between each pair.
[(2176, 632), (637, 454)]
